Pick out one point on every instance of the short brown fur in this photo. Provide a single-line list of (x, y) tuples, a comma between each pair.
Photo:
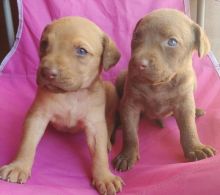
[(72, 96), (160, 82)]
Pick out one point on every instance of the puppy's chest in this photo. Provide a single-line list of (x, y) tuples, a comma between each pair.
[(70, 114), (159, 103)]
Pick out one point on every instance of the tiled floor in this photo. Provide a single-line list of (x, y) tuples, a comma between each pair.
[(212, 23)]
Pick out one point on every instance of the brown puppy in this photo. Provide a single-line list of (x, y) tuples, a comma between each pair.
[(160, 82), (71, 96)]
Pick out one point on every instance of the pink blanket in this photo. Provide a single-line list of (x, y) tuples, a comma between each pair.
[(62, 164)]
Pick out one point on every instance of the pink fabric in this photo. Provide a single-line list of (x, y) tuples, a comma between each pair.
[(62, 164)]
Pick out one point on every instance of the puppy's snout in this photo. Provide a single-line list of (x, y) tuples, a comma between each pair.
[(146, 63), (49, 73)]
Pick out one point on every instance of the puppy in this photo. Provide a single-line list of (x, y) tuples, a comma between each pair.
[(72, 96), (160, 82)]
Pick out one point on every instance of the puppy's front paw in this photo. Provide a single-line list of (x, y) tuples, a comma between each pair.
[(125, 160), (14, 172), (200, 152), (108, 184)]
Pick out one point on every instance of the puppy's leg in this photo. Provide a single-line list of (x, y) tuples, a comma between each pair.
[(192, 147), (112, 102), (19, 169), (130, 115), (104, 181), (110, 120)]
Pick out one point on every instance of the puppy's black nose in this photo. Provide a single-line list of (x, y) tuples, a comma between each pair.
[(49, 73)]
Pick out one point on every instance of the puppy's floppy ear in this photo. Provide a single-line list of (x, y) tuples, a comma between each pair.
[(111, 54), (43, 42), (136, 34), (201, 41), (136, 26)]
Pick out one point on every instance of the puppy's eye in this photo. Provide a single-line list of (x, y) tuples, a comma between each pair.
[(172, 42), (43, 45), (81, 51)]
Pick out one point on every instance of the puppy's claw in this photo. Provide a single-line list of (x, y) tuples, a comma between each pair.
[(125, 161), (108, 185), (14, 173), (122, 164), (200, 152), (102, 189), (20, 181)]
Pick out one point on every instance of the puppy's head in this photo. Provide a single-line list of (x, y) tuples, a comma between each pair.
[(73, 51), (163, 43)]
